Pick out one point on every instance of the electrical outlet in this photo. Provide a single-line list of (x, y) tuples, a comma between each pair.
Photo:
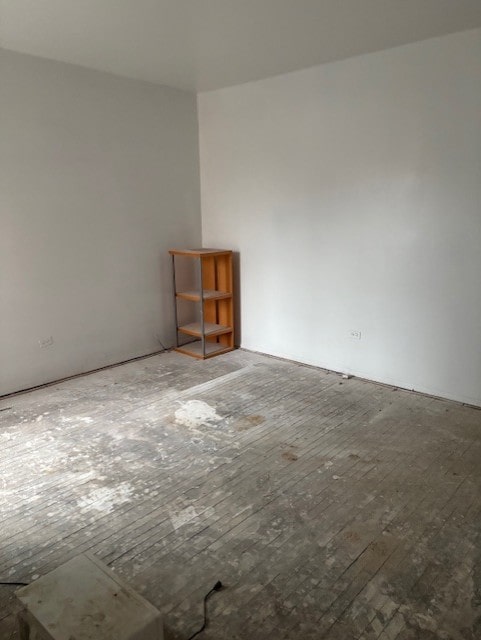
[(355, 335), (45, 342)]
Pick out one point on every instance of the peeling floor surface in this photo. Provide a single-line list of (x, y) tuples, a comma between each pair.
[(329, 508)]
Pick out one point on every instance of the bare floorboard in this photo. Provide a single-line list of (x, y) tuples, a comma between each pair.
[(329, 508)]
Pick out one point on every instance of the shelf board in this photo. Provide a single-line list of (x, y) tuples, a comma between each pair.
[(210, 329), (209, 294), (195, 349), (197, 253)]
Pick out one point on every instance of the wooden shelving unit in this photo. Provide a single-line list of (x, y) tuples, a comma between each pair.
[(214, 299)]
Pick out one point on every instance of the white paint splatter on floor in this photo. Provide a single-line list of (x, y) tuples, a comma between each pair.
[(195, 413), (178, 519), (106, 498)]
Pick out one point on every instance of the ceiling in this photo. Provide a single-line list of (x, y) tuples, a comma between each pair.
[(207, 44)]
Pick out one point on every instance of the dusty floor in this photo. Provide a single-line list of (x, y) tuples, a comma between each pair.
[(329, 508)]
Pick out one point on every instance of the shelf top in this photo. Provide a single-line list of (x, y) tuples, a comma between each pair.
[(199, 252)]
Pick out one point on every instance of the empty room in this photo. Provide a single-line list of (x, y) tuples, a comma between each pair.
[(240, 319)]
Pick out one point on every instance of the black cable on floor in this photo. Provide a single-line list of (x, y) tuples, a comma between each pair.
[(216, 587), (14, 584)]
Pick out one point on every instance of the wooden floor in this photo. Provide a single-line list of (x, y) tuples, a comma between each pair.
[(329, 508)]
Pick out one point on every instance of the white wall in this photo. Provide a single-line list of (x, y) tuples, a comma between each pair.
[(353, 193), (98, 178)]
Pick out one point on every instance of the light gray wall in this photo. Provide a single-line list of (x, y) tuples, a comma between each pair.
[(353, 193), (98, 178)]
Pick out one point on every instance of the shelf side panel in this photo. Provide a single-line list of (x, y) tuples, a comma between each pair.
[(209, 282), (224, 273)]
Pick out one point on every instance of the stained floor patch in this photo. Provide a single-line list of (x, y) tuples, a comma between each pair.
[(247, 422)]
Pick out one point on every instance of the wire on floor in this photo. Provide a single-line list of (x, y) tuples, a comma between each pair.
[(216, 587)]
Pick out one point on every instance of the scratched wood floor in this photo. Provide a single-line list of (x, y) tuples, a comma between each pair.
[(329, 508)]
